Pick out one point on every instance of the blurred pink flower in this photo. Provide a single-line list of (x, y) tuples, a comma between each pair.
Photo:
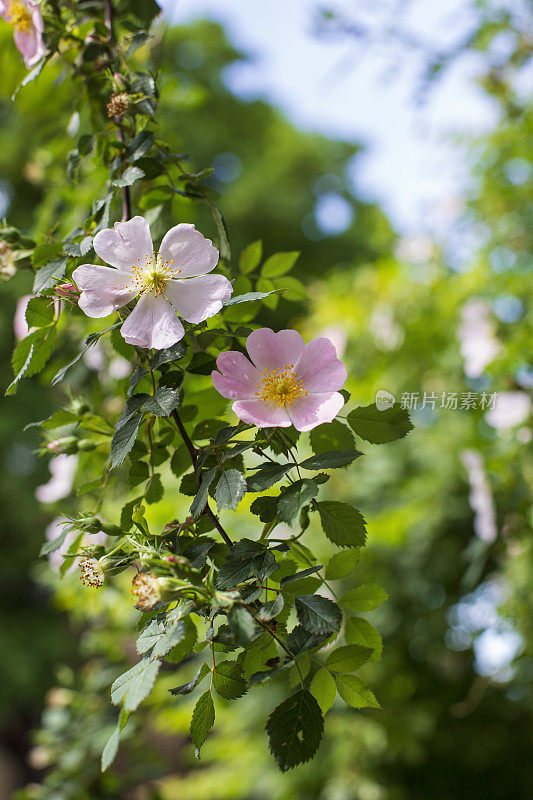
[(510, 409), (184, 252), (288, 383), (20, 326), (25, 16)]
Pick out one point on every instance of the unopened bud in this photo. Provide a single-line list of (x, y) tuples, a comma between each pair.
[(67, 444), (92, 572), (110, 529), (79, 407), (68, 291), (118, 104)]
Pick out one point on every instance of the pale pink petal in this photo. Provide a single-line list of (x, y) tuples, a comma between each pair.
[(239, 379), (103, 290), (153, 323), (308, 412), (196, 299), (190, 251), (269, 350), (30, 46), (125, 245), (319, 368), (262, 414)]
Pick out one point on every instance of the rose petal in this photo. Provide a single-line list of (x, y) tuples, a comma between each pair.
[(269, 350), (196, 299), (126, 244), (30, 46), (239, 379), (308, 412), (262, 414), (191, 252), (103, 289), (319, 368), (153, 323)]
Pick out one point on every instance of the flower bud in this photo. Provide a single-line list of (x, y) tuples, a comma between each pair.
[(67, 291), (110, 529), (92, 572), (79, 407), (118, 104), (67, 444)]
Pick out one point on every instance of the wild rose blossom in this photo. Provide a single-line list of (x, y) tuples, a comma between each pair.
[(288, 383), (174, 279), (25, 16)]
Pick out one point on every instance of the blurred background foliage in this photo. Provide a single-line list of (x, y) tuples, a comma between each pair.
[(449, 510)]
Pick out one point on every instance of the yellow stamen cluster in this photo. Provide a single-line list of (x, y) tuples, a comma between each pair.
[(145, 587), (92, 573), (19, 16), (151, 275), (280, 386)]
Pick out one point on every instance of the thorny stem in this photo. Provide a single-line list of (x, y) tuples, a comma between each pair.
[(194, 457), (282, 645)]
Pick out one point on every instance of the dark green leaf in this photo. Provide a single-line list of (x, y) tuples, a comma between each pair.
[(244, 558), (265, 508), (271, 609), (123, 440), (342, 524), (331, 459), (266, 476), (129, 177), (242, 625), (164, 401), (377, 426), (230, 490), (187, 688), (246, 298), (198, 504), (292, 499), (40, 312), (180, 461), (169, 354), (295, 729), (228, 680), (203, 719), (318, 614)]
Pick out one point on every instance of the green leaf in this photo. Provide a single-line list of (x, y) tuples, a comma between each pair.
[(228, 680), (222, 230), (331, 436), (266, 476), (199, 502), (40, 312), (111, 747), (331, 459), (377, 426), (318, 614), (293, 499), (250, 257), (173, 635), (202, 364), (185, 646), (133, 686), (47, 276), (129, 177), (139, 145), (279, 264), (359, 631), (295, 730), (124, 439), (208, 428), (149, 636), (164, 401), (203, 719), (271, 609), (364, 598), (169, 354), (324, 689), (354, 692), (244, 558), (139, 473), (31, 355), (342, 564), (230, 490), (187, 688), (342, 524), (242, 625), (265, 508), (300, 640), (299, 575), (154, 489), (246, 298), (180, 461), (348, 658)]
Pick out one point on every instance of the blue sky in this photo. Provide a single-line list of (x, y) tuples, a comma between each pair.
[(412, 164)]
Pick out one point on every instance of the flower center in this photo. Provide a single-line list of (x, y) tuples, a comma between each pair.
[(145, 587), (280, 386), (151, 275), (19, 16)]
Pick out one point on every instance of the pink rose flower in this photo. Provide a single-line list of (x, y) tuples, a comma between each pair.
[(25, 16), (288, 383), (163, 281)]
